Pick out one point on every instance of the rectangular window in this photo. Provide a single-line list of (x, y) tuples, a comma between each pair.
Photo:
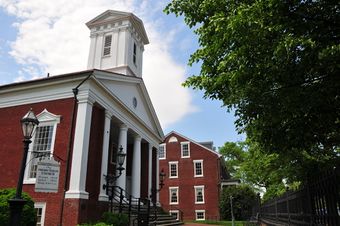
[(185, 149), (199, 194), (42, 144), (198, 168), (173, 194), (40, 211), (174, 213), (162, 151), (200, 214), (107, 45), (173, 169), (134, 56)]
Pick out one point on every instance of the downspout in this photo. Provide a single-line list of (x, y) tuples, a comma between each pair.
[(69, 147)]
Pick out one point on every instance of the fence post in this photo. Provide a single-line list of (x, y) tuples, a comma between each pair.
[(276, 217), (287, 203)]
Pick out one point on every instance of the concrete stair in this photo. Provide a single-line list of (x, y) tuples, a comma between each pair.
[(164, 219)]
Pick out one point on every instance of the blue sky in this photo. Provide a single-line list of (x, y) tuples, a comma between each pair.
[(39, 37)]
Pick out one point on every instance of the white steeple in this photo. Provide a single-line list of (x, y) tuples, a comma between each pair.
[(117, 43)]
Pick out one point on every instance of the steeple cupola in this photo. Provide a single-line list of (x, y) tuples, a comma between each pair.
[(117, 43)]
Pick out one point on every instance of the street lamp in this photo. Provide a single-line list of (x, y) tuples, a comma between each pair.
[(28, 123), (161, 183), (154, 191), (110, 179), (120, 160)]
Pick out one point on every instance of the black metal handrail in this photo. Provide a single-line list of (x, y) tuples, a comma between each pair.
[(133, 206)]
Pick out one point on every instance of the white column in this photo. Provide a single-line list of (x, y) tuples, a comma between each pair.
[(80, 150), (105, 156), (136, 167), (150, 171), (121, 181), (157, 176)]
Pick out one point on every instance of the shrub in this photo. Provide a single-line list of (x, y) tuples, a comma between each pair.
[(243, 200), (115, 219), (96, 224), (28, 216)]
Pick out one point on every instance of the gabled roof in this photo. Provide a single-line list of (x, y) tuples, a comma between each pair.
[(192, 141), (112, 16), (21, 93)]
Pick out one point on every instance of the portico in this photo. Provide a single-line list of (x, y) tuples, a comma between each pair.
[(138, 142)]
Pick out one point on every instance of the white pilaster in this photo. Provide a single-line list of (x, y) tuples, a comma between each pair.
[(150, 171), (121, 181), (136, 167), (105, 156), (80, 150)]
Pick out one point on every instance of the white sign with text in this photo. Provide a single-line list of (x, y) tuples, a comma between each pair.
[(47, 179)]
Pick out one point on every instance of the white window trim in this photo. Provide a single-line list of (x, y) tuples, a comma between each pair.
[(173, 163), (196, 188), (173, 139), (45, 119), (164, 151), (176, 212), (197, 161), (41, 205), (173, 203), (199, 211), (104, 47), (188, 143)]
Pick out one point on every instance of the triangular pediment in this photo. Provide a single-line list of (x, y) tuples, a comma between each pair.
[(112, 16), (131, 92), (46, 116), (108, 15)]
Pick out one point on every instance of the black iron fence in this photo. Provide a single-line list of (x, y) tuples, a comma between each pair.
[(317, 203)]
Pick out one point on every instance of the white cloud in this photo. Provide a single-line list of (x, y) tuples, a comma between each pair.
[(52, 37)]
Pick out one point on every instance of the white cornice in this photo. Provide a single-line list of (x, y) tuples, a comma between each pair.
[(117, 16), (36, 92)]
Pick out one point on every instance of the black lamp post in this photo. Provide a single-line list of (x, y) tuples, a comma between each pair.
[(28, 123), (154, 191), (110, 179)]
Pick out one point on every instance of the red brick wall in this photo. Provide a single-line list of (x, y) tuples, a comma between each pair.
[(186, 180), (11, 150)]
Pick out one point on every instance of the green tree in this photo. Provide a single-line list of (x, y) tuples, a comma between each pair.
[(277, 64), (28, 217), (243, 198), (234, 154), (264, 172)]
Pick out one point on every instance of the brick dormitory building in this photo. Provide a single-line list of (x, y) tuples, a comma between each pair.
[(84, 117), (195, 175)]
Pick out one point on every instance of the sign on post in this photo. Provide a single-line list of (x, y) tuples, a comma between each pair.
[(47, 179)]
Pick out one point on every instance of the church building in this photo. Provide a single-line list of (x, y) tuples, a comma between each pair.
[(85, 117)]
